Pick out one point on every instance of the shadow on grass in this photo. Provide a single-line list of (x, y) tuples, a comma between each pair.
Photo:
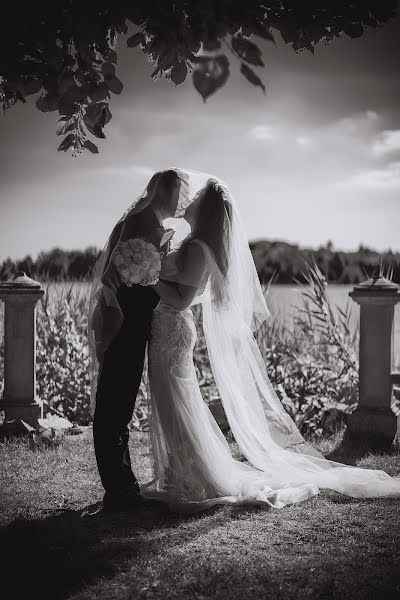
[(59, 554), (349, 450)]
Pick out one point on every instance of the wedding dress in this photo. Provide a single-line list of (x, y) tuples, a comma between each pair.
[(192, 465)]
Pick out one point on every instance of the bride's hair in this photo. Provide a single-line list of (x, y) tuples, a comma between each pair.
[(212, 225)]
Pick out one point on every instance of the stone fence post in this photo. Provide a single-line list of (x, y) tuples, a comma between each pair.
[(373, 421), (20, 296)]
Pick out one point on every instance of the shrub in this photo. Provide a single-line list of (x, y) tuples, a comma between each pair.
[(313, 368), (62, 354)]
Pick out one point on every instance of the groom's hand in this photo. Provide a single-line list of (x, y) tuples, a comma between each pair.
[(161, 238)]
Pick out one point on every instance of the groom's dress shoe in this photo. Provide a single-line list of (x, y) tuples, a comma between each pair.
[(126, 500)]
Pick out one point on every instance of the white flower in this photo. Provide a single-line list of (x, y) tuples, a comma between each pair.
[(137, 261), (118, 260)]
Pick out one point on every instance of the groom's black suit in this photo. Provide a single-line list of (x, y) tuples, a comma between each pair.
[(120, 375)]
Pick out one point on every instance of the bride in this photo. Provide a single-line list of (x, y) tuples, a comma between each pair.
[(192, 464)]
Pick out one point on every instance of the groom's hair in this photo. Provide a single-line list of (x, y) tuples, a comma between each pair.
[(166, 181)]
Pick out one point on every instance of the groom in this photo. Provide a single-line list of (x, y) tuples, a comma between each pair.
[(123, 361)]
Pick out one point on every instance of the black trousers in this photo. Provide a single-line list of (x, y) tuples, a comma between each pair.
[(117, 388)]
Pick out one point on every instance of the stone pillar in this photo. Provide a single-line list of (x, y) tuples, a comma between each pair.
[(20, 296), (374, 422)]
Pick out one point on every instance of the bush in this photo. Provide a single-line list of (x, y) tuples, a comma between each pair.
[(62, 369), (62, 355), (313, 368)]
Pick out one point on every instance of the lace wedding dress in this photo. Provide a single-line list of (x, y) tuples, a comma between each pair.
[(192, 462)]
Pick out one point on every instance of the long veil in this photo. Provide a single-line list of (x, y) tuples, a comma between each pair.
[(234, 307)]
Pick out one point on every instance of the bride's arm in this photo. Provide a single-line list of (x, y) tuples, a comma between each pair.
[(181, 295)]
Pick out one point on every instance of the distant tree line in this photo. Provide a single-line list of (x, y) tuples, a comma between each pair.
[(280, 259), (56, 264), (287, 262)]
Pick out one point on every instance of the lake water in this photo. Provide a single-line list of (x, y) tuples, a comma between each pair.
[(283, 302)]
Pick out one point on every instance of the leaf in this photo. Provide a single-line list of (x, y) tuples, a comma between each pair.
[(54, 421), (114, 84), (65, 127), (211, 44), (169, 233), (122, 27), (111, 56), (288, 31), (167, 60), (31, 86), (247, 50), (66, 81), (96, 113), (99, 92), (20, 96), (106, 114), (69, 60), (353, 30), (96, 130), (179, 72), (27, 426), (47, 103), (93, 113), (210, 74), (135, 40), (90, 146), (67, 142), (108, 69), (252, 76), (263, 31)]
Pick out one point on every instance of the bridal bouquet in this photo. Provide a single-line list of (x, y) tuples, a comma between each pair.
[(138, 261)]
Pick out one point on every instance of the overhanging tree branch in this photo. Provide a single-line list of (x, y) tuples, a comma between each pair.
[(66, 48)]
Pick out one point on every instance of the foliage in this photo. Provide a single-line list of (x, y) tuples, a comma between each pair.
[(66, 50), (54, 264), (314, 368), (286, 260), (62, 356), (62, 359), (336, 266)]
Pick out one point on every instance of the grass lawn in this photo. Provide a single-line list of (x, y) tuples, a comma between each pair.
[(328, 547)]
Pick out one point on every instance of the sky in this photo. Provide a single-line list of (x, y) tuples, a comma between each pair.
[(316, 159)]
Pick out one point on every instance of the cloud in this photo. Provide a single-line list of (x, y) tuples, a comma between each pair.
[(385, 178), (303, 140), (358, 121), (359, 127), (128, 170), (262, 132), (386, 142)]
